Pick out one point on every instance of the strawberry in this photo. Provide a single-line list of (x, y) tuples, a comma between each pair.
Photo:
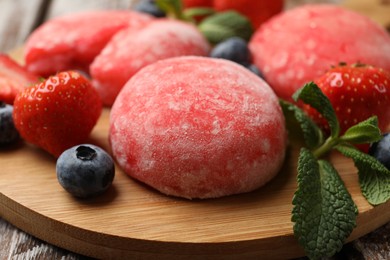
[(356, 92), (13, 78), (58, 113)]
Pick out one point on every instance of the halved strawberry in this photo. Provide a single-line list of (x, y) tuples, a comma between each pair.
[(356, 92), (58, 113), (13, 78)]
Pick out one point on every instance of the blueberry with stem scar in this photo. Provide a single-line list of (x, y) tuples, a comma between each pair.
[(85, 170)]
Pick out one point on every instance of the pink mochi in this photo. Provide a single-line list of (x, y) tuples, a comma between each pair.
[(130, 51), (197, 127), (299, 45), (72, 41)]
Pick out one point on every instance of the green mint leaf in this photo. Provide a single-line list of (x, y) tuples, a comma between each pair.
[(172, 8), (192, 13), (223, 25), (312, 134), (374, 177), (324, 213), (364, 132), (312, 95)]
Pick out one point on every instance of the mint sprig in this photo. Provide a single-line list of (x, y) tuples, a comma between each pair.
[(374, 177), (312, 95), (194, 12), (323, 212), (312, 134), (216, 26), (221, 26), (363, 132), (173, 8)]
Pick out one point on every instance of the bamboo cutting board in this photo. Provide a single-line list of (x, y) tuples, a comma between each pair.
[(133, 221)]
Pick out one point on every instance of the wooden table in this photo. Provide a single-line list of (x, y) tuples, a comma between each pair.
[(19, 17)]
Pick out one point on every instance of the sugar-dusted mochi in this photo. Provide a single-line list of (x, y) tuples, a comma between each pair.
[(301, 44), (130, 51), (198, 127), (72, 41)]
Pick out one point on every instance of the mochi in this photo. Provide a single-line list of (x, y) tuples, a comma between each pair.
[(129, 51), (301, 44), (72, 41), (198, 127)]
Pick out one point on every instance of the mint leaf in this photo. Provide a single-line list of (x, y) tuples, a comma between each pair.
[(374, 177), (192, 13), (323, 210), (364, 132), (223, 25), (312, 134), (324, 213), (171, 8), (312, 95)]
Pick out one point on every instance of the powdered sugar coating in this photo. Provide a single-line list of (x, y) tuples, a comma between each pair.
[(299, 45), (72, 41), (130, 51), (198, 127)]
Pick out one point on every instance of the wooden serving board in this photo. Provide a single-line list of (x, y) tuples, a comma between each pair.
[(133, 221), (378, 10)]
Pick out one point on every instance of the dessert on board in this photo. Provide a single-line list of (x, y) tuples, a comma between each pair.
[(203, 103)]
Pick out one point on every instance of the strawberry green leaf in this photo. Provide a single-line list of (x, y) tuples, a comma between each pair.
[(312, 95), (223, 25), (312, 134), (374, 177), (324, 213), (363, 132)]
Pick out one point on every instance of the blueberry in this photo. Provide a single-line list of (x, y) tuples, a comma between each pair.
[(149, 7), (234, 49), (255, 69), (85, 170), (8, 132), (381, 150)]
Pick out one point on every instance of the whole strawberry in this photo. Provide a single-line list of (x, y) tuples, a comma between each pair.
[(57, 113), (356, 92)]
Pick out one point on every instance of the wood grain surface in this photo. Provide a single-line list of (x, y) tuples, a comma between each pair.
[(378, 10), (18, 18), (133, 220), (13, 31)]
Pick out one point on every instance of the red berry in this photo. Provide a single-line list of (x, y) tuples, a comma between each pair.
[(356, 92), (197, 3), (57, 113), (13, 78), (257, 11)]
